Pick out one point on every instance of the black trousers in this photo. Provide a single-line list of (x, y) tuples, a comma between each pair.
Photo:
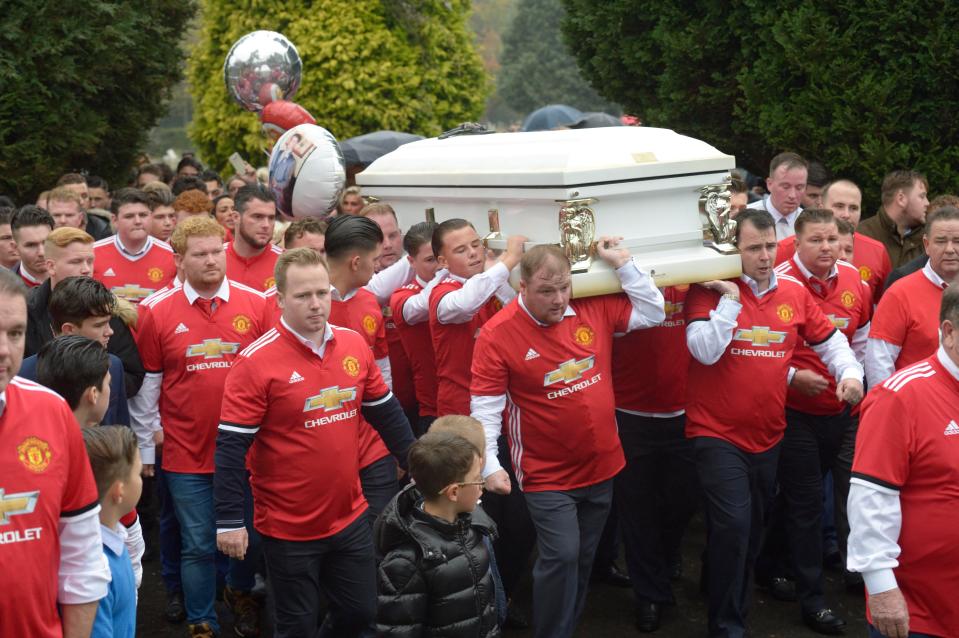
[(811, 446), (737, 488), (517, 536), (656, 495), (341, 567)]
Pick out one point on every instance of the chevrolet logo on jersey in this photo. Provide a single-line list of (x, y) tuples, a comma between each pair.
[(13, 504), (131, 292), (569, 371), (673, 309), (330, 399), (839, 322), (760, 336), (212, 349)]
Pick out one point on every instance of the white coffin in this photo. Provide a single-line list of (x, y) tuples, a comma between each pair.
[(642, 184)]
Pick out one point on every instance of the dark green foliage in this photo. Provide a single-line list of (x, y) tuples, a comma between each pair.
[(537, 69), (81, 84), (865, 86)]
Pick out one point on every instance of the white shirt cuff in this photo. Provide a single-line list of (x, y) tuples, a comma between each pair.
[(879, 580)]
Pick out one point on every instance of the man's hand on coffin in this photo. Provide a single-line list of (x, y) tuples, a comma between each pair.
[(514, 250), (606, 248), (723, 287)]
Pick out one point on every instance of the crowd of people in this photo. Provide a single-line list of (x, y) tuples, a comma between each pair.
[(320, 404)]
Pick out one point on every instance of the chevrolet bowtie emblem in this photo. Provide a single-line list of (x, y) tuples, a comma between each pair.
[(330, 399), (13, 504), (131, 292), (760, 336), (569, 371), (839, 322), (673, 308), (212, 349)]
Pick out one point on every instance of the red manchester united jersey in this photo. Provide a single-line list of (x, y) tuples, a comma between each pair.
[(649, 366), (741, 398), (869, 256), (908, 316), (400, 366), (304, 460), (255, 272), (453, 345), (45, 478), (561, 421), (193, 346), (418, 345), (133, 277), (909, 439), (847, 302), (361, 312)]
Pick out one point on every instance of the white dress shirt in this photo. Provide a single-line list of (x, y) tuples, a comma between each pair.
[(785, 224)]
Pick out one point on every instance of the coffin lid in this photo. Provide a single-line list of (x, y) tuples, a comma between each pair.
[(546, 159)]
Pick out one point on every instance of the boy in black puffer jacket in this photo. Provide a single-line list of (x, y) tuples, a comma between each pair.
[(435, 579)]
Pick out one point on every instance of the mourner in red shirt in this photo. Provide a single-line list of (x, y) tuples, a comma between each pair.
[(251, 256)]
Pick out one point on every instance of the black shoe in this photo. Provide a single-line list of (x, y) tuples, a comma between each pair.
[(246, 612), (174, 612), (515, 618), (611, 576), (647, 616), (824, 621), (780, 588)]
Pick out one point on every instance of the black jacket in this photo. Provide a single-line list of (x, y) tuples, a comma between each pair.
[(435, 577), (40, 331), (97, 227)]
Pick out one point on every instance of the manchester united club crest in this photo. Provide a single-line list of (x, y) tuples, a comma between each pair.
[(847, 298), (584, 336), (35, 454), (785, 313), (242, 324), (269, 282), (155, 274), (865, 273), (351, 366), (369, 324)]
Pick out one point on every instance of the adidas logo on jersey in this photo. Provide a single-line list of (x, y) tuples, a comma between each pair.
[(109, 273), (532, 354), (952, 429), (295, 377), (181, 329)]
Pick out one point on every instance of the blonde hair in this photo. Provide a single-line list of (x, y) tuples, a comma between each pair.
[(63, 237), (64, 194), (377, 208), (199, 226), (464, 426), (296, 257), (112, 450)]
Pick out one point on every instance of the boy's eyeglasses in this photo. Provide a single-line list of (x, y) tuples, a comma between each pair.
[(464, 484)]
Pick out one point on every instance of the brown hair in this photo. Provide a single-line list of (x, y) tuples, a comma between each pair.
[(112, 450), (194, 227), (444, 229), (71, 178), (813, 216), (789, 160), (296, 257), (539, 256), (941, 201), (845, 227), (301, 227), (943, 214), (759, 219), (897, 181), (159, 194), (439, 459), (192, 201), (378, 208), (464, 426)]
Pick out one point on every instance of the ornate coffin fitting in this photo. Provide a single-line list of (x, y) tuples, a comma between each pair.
[(568, 188)]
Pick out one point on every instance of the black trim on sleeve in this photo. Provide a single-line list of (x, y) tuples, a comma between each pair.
[(78, 512), (813, 345), (875, 481), (689, 321)]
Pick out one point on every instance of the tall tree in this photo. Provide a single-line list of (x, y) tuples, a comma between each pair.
[(865, 87), (537, 69), (81, 86), (367, 65)]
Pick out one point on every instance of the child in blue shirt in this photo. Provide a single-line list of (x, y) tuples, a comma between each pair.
[(116, 465)]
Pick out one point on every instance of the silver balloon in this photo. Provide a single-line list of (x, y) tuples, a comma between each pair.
[(307, 171), (261, 67)]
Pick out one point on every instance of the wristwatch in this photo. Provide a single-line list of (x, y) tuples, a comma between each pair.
[(731, 296)]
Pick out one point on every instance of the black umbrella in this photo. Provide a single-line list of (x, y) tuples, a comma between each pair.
[(596, 120), (363, 150), (549, 117)]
